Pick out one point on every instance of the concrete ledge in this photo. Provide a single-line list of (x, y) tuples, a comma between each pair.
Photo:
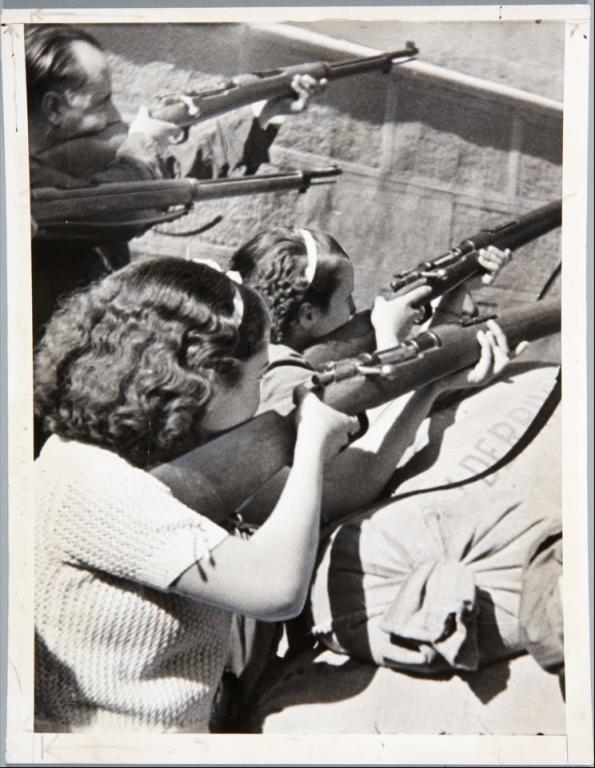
[(283, 156), (472, 86)]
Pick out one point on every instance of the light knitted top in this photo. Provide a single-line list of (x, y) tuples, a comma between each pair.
[(114, 648)]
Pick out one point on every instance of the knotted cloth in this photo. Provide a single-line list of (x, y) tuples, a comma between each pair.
[(432, 581)]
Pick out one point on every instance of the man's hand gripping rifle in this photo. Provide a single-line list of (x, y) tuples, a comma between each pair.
[(186, 109)]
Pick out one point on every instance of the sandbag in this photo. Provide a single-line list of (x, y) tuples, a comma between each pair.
[(470, 437), (540, 613), (432, 582)]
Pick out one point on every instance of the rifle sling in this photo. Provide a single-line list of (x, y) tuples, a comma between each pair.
[(538, 422)]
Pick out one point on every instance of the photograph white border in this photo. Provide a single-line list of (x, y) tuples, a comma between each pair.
[(574, 748)]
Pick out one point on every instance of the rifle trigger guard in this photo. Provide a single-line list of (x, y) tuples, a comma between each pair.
[(364, 424), (424, 312), (181, 136)]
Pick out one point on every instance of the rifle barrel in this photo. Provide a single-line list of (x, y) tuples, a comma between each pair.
[(374, 63), (521, 231), (452, 348), (249, 88), (51, 205), (201, 478)]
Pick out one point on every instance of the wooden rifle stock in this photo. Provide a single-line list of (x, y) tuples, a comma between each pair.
[(442, 274), (216, 478), (107, 209), (186, 109), (353, 338)]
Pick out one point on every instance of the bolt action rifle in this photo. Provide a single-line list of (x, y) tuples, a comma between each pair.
[(442, 274), (186, 109), (111, 211), (215, 479)]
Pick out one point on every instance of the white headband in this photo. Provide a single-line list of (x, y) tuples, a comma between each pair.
[(235, 277), (238, 301), (238, 306), (311, 254)]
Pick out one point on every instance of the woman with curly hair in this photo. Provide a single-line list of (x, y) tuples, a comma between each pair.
[(134, 590), (307, 281)]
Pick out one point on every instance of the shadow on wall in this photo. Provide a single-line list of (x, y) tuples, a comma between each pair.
[(426, 162), (214, 49), (227, 49)]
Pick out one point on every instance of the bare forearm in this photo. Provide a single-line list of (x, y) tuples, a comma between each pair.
[(292, 529), (358, 475), (267, 576)]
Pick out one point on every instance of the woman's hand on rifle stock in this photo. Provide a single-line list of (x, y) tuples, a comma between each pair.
[(493, 260), (494, 357), (320, 427), (393, 318)]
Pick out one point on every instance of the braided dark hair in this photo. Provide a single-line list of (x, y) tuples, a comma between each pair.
[(274, 263), (125, 364)]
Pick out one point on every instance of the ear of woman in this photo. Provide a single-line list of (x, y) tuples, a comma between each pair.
[(308, 316)]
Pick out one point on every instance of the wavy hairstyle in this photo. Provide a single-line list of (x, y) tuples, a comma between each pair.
[(126, 364), (274, 263)]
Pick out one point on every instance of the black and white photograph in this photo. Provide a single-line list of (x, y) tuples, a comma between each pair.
[(288, 451)]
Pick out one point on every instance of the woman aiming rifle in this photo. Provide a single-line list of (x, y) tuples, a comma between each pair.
[(307, 280), (133, 589)]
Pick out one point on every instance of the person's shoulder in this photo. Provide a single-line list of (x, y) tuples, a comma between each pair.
[(287, 369), (91, 476), (73, 461), (75, 161), (281, 355)]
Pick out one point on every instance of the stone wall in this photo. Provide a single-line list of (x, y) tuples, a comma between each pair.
[(428, 156)]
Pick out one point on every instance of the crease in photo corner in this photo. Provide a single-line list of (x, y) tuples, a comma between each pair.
[(544, 750)]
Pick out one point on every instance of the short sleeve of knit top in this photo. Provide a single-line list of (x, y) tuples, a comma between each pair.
[(104, 514)]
